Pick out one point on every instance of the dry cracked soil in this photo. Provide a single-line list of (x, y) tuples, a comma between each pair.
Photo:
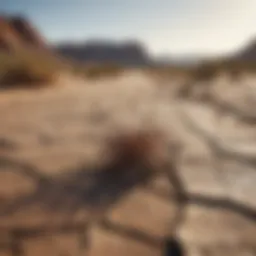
[(55, 199)]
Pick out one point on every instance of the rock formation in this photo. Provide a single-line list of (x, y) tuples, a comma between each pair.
[(17, 33), (127, 53)]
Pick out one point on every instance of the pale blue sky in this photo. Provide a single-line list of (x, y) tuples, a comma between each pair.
[(165, 26)]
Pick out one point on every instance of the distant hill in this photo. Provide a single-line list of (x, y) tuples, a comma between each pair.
[(17, 32), (186, 60), (99, 51)]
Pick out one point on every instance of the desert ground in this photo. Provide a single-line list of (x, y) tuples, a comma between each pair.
[(53, 202)]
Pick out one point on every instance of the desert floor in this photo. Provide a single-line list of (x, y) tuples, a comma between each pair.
[(53, 202)]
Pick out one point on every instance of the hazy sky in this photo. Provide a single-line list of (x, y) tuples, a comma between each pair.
[(165, 26)]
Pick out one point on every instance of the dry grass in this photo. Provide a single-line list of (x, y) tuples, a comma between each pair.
[(201, 78), (169, 72), (210, 70), (27, 69), (97, 71), (204, 72)]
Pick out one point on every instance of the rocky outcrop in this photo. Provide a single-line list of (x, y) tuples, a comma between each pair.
[(9, 39), (17, 33), (27, 32)]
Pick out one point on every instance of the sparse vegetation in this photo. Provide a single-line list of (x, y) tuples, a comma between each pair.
[(200, 76), (97, 71), (205, 72), (210, 70), (28, 69), (168, 72)]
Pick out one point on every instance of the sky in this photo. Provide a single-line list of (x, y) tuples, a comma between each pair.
[(165, 26)]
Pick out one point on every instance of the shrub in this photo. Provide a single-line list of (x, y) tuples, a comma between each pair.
[(167, 72), (205, 72), (98, 70), (144, 147), (208, 71), (26, 69), (234, 68)]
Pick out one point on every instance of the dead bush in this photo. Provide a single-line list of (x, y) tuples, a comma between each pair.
[(143, 147), (234, 68), (26, 69), (97, 71), (167, 72), (205, 72)]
